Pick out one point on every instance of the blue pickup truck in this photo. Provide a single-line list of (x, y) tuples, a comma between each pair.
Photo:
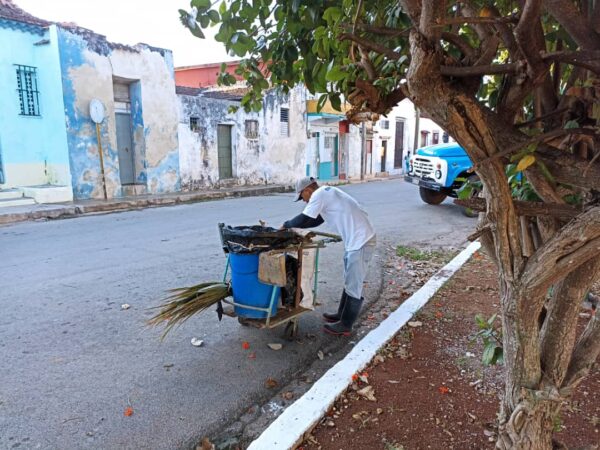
[(440, 171)]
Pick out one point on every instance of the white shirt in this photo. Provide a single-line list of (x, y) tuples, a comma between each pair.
[(343, 213)]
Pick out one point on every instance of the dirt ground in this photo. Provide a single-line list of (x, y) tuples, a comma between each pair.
[(428, 389)]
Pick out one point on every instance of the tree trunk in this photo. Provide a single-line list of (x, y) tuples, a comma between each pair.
[(525, 425)]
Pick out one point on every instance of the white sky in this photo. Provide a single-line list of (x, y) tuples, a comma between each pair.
[(154, 22)]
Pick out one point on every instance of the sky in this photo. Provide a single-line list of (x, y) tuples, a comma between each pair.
[(154, 22)]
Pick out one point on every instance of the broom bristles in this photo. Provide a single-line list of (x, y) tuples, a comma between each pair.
[(183, 303)]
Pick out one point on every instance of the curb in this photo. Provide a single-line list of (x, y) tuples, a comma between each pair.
[(70, 211), (289, 429)]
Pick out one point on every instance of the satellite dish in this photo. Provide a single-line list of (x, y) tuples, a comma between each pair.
[(96, 111)]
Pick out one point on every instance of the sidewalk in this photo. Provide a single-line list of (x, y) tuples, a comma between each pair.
[(13, 214)]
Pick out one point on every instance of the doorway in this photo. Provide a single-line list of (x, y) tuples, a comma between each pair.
[(125, 148), (399, 144), (384, 145), (224, 151)]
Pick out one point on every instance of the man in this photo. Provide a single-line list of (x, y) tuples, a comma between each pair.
[(341, 211)]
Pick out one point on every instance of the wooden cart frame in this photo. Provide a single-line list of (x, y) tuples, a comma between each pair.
[(288, 316)]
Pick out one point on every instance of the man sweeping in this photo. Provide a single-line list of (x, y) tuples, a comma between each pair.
[(341, 211)]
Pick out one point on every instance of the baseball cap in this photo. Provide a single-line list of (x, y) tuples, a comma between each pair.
[(302, 184)]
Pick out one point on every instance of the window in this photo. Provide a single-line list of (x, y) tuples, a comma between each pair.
[(251, 131), (194, 124), (329, 142), (27, 88), (435, 138), (384, 124), (424, 138), (445, 137), (284, 119)]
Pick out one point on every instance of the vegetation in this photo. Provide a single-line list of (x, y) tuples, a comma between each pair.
[(514, 83)]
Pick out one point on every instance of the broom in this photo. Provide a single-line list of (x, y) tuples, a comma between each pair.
[(185, 302)]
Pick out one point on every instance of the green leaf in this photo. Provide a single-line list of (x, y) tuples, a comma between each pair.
[(222, 7), (204, 21), (336, 102), (321, 102), (202, 5), (571, 124), (332, 14), (336, 74), (498, 357), (488, 353), (214, 16)]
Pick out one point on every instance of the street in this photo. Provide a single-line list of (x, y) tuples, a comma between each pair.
[(73, 360)]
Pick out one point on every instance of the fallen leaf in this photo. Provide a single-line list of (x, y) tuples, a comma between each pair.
[(128, 411), (439, 314), (205, 445), (379, 411), (320, 355), (415, 324), (443, 390), (288, 395), (368, 393), (197, 342), (252, 355), (275, 346), (364, 377), (355, 377), (245, 345), (125, 306), (271, 383)]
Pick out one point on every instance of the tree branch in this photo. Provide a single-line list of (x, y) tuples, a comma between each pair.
[(370, 45), (574, 23), (585, 354), (513, 18), (536, 140), (472, 71), (560, 327), (460, 43), (579, 58), (573, 245), (522, 208)]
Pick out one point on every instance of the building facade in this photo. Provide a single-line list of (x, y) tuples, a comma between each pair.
[(49, 75), (220, 147)]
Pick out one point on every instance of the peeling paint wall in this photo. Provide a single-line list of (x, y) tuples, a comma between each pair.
[(268, 158), (33, 148), (90, 65)]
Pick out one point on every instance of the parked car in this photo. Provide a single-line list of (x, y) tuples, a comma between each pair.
[(440, 171)]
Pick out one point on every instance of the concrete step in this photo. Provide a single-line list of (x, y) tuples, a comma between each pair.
[(23, 201), (8, 194), (132, 190)]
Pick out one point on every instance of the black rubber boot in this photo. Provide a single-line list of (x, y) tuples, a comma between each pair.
[(335, 317), (349, 316)]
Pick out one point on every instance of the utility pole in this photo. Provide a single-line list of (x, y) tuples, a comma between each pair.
[(416, 141), (363, 149)]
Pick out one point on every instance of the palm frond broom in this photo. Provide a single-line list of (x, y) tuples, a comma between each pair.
[(183, 303)]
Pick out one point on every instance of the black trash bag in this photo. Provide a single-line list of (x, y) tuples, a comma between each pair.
[(288, 292), (255, 239)]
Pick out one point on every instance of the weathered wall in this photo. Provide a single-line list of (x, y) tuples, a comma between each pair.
[(271, 158), (89, 66), (34, 148)]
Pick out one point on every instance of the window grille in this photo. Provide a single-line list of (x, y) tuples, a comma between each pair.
[(27, 88), (284, 119), (251, 131), (194, 124), (329, 142), (436, 138), (384, 124)]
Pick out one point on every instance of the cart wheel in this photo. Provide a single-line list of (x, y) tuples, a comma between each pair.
[(242, 321), (291, 330)]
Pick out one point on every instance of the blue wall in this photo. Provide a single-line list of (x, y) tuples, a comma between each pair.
[(34, 149)]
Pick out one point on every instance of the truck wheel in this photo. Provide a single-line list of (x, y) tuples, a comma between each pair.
[(431, 197)]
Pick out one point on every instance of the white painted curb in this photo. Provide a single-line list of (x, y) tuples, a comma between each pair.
[(289, 428)]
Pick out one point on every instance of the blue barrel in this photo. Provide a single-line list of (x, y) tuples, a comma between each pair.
[(247, 290)]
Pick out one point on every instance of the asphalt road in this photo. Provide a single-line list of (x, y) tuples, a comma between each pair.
[(72, 360)]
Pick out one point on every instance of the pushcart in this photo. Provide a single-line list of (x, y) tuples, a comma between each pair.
[(272, 315)]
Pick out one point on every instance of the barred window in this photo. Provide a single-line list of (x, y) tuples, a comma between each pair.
[(194, 124), (384, 124), (329, 142), (284, 119), (251, 129), (27, 88)]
